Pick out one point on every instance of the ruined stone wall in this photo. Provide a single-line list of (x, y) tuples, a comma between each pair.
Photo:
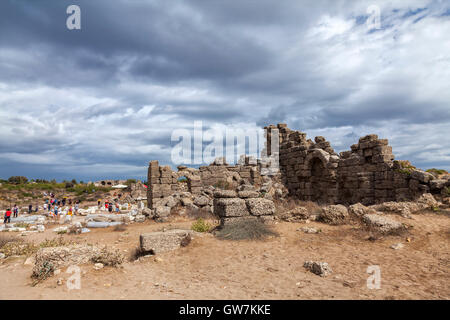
[(308, 169), (163, 181), (311, 170), (365, 174)]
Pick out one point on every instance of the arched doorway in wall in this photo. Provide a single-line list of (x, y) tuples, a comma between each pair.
[(319, 180), (184, 183)]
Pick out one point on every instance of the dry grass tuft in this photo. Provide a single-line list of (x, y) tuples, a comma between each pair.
[(108, 257), (245, 230)]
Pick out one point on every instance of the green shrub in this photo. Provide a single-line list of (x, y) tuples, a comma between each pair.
[(130, 182), (437, 172), (18, 180), (201, 226), (68, 185), (26, 195), (19, 248), (405, 171), (21, 225), (52, 243), (245, 230)]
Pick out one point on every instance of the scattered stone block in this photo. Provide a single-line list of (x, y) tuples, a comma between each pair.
[(334, 214), (382, 224), (260, 207), (230, 207), (158, 242)]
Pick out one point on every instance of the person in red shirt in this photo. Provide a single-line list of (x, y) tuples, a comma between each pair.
[(7, 216)]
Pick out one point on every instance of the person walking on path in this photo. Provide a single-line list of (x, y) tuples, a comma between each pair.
[(30, 208)]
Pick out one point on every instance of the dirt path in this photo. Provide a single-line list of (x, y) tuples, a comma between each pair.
[(273, 269)]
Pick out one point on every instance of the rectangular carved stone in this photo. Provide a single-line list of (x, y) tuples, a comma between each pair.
[(230, 207), (158, 242)]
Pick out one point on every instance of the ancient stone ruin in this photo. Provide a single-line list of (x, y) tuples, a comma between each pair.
[(308, 170)]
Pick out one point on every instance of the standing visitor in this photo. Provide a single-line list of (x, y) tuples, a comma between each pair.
[(7, 216), (16, 211), (76, 208), (56, 212), (30, 208), (117, 207)]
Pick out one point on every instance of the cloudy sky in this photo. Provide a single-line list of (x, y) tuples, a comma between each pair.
[(102, 101)]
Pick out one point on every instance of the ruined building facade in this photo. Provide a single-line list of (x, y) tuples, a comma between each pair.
[(310, 170), (367, 174)]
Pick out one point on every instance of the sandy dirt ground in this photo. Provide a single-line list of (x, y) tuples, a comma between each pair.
[(271, 269)]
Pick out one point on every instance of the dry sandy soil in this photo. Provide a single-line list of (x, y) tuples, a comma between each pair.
[(271, 269)]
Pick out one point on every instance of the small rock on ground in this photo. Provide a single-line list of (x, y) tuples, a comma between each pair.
[(319, 268)]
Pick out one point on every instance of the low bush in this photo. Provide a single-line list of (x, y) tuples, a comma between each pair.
[(437, 171), (4, 239), (245, 230), (19, 248), (52, 243), (108, 257), (201, 226), (21, 225)]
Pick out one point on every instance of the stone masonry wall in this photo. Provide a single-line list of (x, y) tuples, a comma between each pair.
[(310, 170), (163, 181)]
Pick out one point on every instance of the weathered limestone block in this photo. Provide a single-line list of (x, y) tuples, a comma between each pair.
[(201, 201), (360, 210), (260, 207), (382, 224), (422, 176), (158, 242), (334, 214), (162, 212), (225, 194), (50, 259), (153, 169), (295, 215), (248, 194), (230, 207)]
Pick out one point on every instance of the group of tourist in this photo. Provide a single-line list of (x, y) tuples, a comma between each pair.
[(110, 206), (54, 206)]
